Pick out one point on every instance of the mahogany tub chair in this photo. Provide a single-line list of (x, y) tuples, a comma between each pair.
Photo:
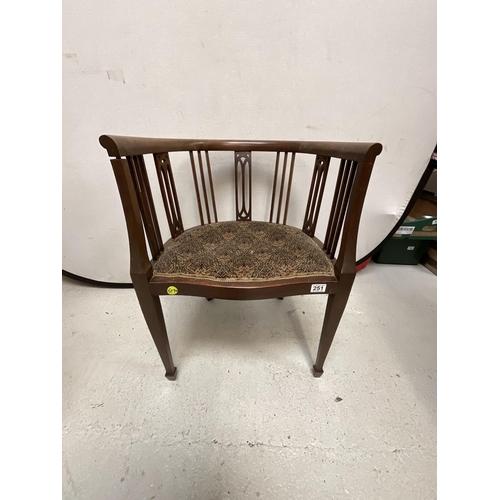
[(242, 259)]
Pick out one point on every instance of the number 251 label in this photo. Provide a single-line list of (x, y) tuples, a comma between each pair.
[(318, 288)]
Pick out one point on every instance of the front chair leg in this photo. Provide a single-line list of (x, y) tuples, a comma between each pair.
[(153, 314), (334, 310)]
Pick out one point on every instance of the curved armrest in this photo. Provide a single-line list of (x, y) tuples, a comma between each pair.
[(120, 146)]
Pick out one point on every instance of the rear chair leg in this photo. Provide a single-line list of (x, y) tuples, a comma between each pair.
[(153, 314), (334, 310)]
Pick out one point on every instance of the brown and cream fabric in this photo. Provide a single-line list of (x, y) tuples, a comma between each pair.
[(243, 251)]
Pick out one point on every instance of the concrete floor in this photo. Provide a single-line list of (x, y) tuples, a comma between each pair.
[(245, 418)]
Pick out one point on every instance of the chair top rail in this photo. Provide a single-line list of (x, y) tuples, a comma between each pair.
[(120, 146)]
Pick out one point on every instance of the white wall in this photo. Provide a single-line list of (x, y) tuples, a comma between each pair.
[(317, 70)]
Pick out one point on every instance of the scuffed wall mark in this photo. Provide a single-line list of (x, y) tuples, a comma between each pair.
[(202, 44), (91, 71), (382, 108), (328, 53), (312, 127), (69, 478), (425, 90), (71, 55), (116, 75)]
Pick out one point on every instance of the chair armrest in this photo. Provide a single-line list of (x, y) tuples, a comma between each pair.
[(119, 146)]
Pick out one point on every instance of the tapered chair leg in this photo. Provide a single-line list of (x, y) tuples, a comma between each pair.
[(153, 314), (334, 310)]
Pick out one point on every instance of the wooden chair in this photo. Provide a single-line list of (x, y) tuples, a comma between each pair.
[(242, 259)]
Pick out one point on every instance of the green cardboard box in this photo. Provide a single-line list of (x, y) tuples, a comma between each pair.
[(412, 239), (421, 224)]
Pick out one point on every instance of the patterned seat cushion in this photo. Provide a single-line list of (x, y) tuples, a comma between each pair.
[(243, 251)]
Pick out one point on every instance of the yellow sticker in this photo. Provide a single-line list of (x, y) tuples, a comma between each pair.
[(172, 290)]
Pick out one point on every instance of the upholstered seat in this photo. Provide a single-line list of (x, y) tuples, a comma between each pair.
[(241, 251)]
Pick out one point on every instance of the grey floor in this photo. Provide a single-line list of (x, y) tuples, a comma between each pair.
[(245, 418)]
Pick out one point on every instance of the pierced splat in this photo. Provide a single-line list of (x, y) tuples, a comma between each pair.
[(243, 184), (169, 193), (318, 181)]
